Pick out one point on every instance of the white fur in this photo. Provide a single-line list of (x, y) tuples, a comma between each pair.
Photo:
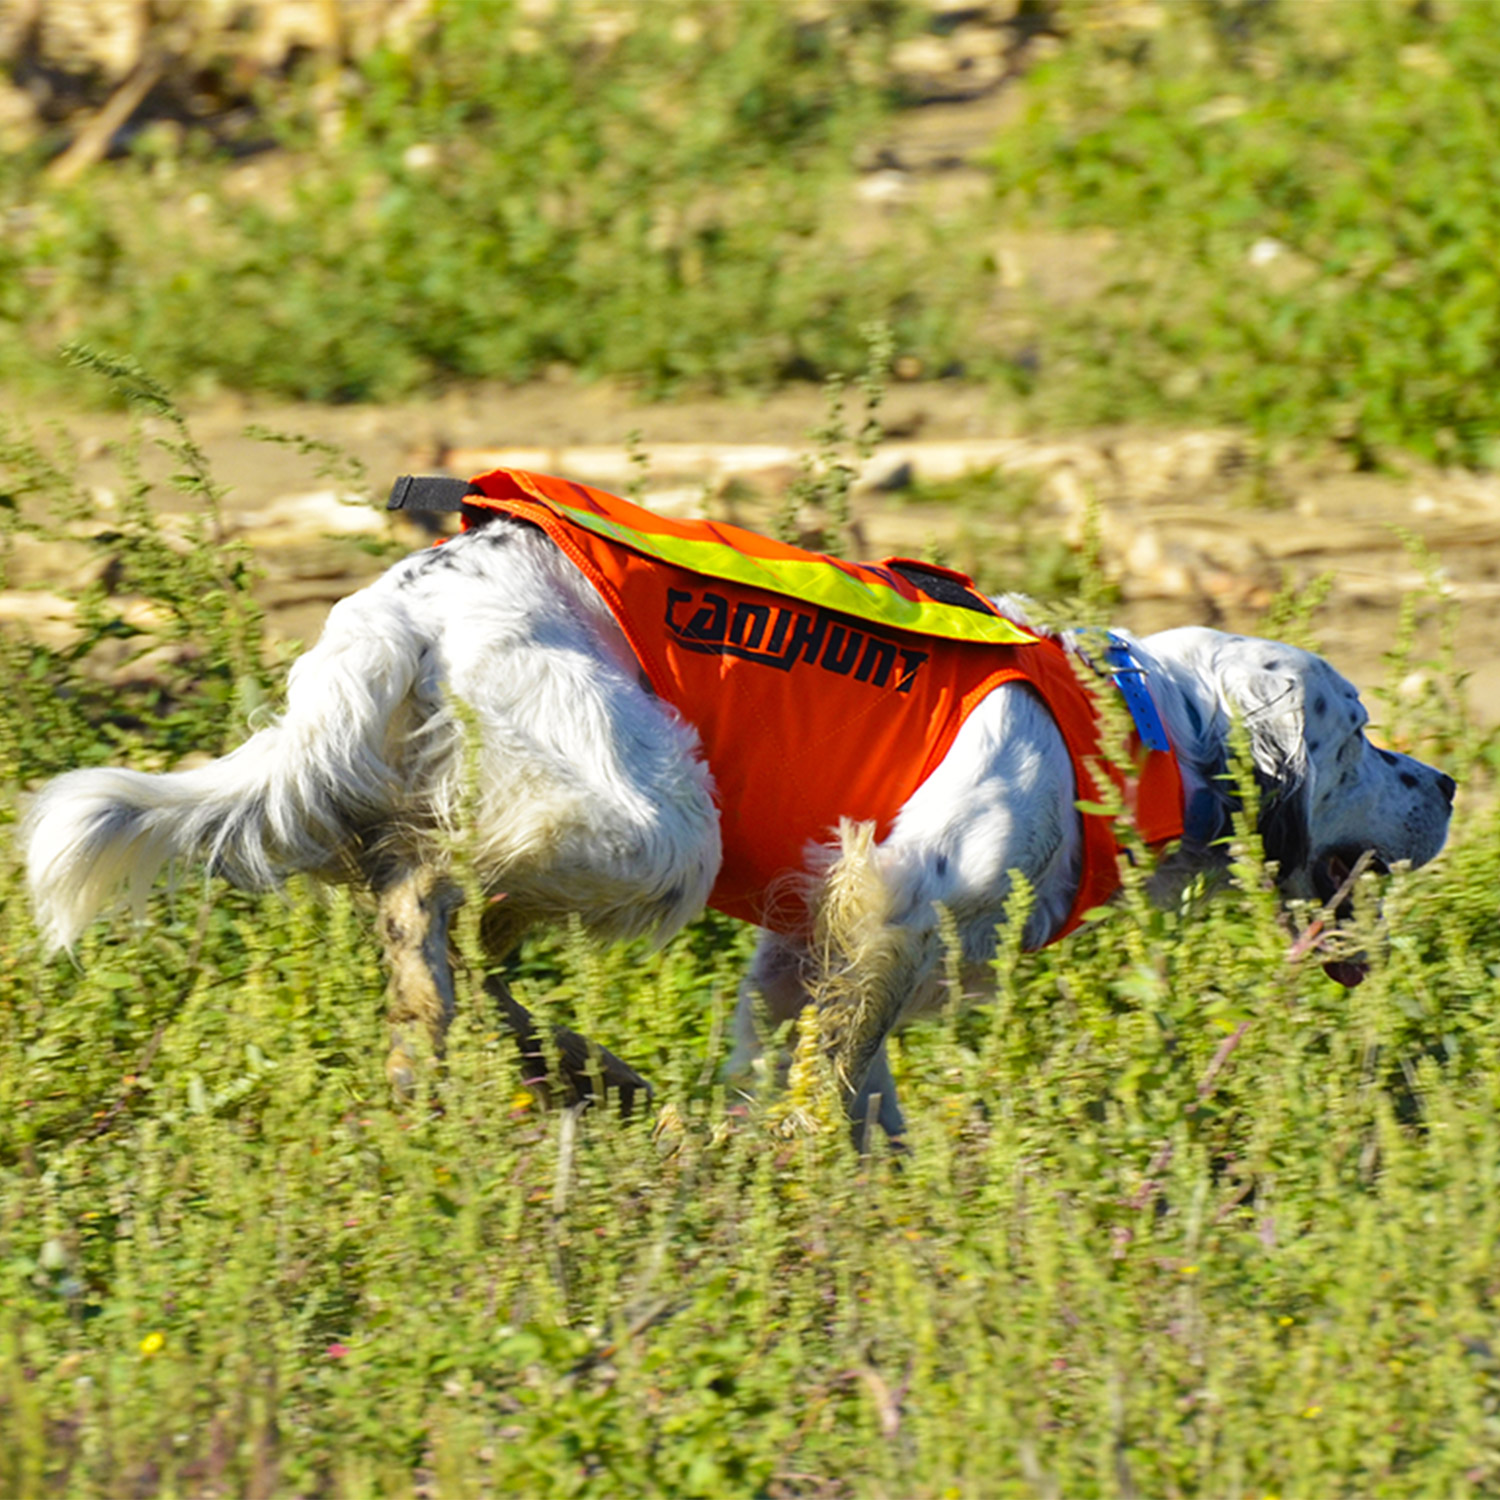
[(587, 794), (583, 792)]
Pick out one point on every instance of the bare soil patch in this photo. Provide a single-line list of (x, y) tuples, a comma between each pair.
[(1193, 531)]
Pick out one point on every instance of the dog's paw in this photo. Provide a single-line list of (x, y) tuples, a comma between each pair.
[(401, 1071)]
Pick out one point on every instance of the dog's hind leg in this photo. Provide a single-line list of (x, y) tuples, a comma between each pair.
[(415, 909), (585, 1067)]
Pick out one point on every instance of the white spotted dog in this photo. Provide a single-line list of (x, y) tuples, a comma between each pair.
[(1003, 801), (670, 714)]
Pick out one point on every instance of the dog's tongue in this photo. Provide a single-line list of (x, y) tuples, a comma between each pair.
[(1346, 971)]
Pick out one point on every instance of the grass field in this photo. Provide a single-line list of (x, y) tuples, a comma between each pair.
[(1181, 1217)]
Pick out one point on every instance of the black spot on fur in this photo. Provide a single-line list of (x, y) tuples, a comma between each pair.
[(494, 535), (1408, 780), (1387, 757), (1313, 746), (1271, 666), (1320, 705)]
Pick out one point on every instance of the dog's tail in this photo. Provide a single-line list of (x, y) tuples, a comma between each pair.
[(297, 795)]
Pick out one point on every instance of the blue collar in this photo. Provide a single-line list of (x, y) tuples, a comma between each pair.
[(1129, 676), (1204, 818)]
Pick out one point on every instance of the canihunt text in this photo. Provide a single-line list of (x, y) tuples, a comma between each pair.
[(781, 635)]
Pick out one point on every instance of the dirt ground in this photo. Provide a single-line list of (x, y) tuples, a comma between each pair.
[(1192, 533)]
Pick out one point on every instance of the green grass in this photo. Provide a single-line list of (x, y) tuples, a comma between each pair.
[(1181, 1218), (1301, 200), (1304, 198), (508, 195)]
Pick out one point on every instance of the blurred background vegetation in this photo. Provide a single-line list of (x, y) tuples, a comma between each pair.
[(1273, 213)]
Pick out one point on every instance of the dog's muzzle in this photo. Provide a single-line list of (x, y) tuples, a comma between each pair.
[(1334, 876)]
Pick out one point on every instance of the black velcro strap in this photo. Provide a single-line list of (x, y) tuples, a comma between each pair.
[(430, 492), (940, 585)]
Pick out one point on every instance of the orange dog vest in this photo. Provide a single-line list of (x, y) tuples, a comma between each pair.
[(821, 689)]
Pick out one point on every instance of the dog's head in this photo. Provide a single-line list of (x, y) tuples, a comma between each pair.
[(1328, 796)]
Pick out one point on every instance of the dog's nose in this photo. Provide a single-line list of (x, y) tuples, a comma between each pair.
[(1447, 786)]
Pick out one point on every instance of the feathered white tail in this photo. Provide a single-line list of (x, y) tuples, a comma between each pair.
[(293, 797)]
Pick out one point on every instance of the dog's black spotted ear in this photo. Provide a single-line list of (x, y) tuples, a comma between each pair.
[(1259, 682), (1283, 826), (430, 492)]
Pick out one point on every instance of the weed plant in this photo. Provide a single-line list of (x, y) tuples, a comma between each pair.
[(1179, 1217)]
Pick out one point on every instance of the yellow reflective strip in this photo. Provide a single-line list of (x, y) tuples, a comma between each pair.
[(810, 580)]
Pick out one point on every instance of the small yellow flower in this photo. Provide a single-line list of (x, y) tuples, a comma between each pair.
[(153, 1343), (521, 1099), (1187, 1270), (1285, 1321), (1313, 1411)]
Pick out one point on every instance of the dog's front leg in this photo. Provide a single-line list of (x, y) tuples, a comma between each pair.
[(781, 982), (876, 1102), (414, 912), (864, 1008), (868, 966)]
